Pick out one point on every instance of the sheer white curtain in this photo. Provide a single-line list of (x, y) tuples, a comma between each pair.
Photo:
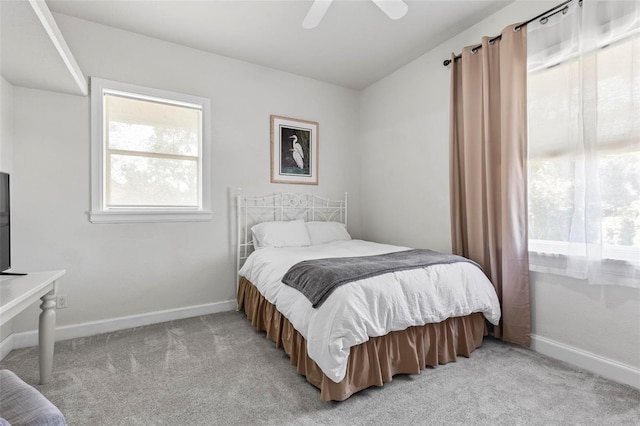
[(584, 142)]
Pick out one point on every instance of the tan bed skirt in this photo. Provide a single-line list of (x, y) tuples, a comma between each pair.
[(371, 363)]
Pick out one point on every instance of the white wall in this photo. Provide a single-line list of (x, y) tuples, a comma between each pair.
[(6, 125), (405, 153), (129, 269), (405, 168), (6, 144)]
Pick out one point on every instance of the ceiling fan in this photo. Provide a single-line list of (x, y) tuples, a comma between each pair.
[(394, 9)]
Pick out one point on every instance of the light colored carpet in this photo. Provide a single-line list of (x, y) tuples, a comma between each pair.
[(217, 369)]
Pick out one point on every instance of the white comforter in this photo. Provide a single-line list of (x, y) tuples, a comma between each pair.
[(371, 307)]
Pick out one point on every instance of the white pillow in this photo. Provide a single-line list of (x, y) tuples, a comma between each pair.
[(325, 232), (280, 234)]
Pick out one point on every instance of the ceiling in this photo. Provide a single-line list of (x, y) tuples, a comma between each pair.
[(354, 46), (49, 65)]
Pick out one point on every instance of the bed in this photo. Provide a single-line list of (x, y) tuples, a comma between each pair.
[(366, 331)]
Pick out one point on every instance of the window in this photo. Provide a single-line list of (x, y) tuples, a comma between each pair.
[(584, 163), (150, 154)]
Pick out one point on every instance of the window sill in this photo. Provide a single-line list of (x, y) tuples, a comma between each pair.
[(618, 265), (562, 250), (147, 216)]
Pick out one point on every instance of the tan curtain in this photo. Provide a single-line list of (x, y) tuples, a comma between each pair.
[(488, 140)]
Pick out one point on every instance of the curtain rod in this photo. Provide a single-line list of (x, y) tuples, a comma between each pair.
[(543, 16)]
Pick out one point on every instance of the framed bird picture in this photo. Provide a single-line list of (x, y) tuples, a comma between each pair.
[(294, 151)]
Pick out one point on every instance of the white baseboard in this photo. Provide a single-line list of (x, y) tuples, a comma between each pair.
[(6, 346), (606, 367), (30, 338)]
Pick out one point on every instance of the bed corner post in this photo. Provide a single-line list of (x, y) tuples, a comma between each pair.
[(345, 208), (238, 237)]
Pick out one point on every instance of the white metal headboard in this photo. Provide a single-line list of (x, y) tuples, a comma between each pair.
[(284, 206)]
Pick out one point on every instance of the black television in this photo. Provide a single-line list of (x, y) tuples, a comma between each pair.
[(5, 223)]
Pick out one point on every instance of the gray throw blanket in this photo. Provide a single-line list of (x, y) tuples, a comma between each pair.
[(317, 278)]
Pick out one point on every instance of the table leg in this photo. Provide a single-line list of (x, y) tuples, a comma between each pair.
[(46, 335)]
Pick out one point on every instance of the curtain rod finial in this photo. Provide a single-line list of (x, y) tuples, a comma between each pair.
[(446, 62)]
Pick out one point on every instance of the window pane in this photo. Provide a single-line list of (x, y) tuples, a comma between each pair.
[(552, 97), (141, 125), (554, 100), (618, 92), (551, 197), (619, 176), (144, 181)]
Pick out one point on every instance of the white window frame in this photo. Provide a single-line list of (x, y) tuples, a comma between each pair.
[(100, 212)]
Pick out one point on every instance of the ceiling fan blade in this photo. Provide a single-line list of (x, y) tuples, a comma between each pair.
[(316, 13), (394, 9)]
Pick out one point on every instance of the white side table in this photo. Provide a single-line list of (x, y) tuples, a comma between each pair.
[(18, 293)]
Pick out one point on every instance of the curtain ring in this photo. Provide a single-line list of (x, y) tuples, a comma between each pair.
[(544, 20)]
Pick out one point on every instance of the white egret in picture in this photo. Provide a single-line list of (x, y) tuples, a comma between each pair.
[(298, 153)]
